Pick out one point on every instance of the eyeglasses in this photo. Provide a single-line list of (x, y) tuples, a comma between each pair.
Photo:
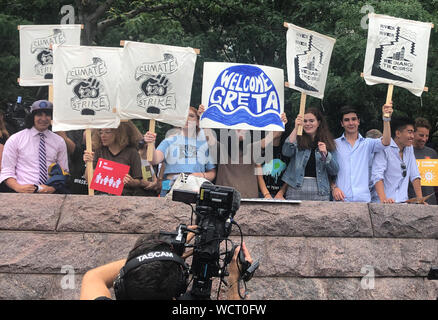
[(403, 166)]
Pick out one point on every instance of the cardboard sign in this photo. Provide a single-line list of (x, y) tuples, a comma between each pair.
[(242, 96), (396, 53), (156, 82), (308, 58), (429, 172), (36, 55), (85, 81), (108, 176)]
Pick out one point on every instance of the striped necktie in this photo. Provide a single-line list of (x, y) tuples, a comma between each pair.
[(42, 160)]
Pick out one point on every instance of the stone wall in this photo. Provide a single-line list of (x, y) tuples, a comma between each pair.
[(312, 250)]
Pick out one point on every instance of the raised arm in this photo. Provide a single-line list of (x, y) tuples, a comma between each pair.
[(386, 138)]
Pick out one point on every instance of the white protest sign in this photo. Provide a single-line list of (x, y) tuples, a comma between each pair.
[(242, 96), (308, 57), (36, 55), (396, 53), (85, 81), (156, 82)]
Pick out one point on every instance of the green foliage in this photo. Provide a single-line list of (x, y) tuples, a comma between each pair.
[(248, 32)]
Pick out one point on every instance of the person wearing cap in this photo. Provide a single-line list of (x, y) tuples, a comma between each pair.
[(28, 153)]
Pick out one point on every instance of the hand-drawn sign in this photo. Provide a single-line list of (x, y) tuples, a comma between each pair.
[(157, 94), (89, 92), (243, 96)]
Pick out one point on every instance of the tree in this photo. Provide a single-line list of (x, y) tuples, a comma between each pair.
[(247, 32)]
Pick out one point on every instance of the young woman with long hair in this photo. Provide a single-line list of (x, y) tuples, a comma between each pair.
[(312, 158), (119, 145)]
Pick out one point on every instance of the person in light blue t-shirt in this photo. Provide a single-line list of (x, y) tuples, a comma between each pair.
[(184, 152)]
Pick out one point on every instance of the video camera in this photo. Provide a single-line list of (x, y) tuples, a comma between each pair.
[(215, 210), (15, 115)]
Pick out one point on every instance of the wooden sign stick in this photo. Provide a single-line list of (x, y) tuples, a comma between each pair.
[(151, 145), (389, 97), (51, 93), (89, 148), (302, 109)]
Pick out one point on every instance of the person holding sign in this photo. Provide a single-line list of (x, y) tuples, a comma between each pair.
[(354, 154), (394, 166), (185, 152), (312, 159), (119, 145), (421, 151)]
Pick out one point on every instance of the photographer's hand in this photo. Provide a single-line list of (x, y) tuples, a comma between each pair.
[(96, 282), (190, 237), (234, 270)]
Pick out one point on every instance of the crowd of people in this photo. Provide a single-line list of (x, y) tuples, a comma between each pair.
[(315, 166)]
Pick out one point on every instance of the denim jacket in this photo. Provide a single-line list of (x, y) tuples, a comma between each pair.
[(294, 174)]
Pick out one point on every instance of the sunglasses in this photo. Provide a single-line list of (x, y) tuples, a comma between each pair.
[(403, 166)]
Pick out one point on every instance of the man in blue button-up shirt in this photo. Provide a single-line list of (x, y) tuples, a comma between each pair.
[(354, 154), (395, 166)]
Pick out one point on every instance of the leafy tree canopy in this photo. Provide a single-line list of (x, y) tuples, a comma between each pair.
[(240, 31)]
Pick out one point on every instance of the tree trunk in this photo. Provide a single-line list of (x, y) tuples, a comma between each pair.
[(89, 12)]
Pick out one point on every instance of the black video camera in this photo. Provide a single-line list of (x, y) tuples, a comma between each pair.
[(215, 210), (15, 115)]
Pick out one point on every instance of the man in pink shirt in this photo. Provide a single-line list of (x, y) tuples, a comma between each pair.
[(28, 153)]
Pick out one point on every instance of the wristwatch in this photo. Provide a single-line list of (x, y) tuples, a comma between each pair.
[(37, 188)]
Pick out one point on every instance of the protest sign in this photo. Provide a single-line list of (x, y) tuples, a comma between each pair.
[(36, 56), (85, 81), (429, 172), (242, 96), (156, 81), (308, 55), (396, 53), (108, 176)]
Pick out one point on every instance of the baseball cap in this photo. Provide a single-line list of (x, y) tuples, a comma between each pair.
[(41, 105)]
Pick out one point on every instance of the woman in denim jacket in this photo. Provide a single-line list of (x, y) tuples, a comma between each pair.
[(312, 159)]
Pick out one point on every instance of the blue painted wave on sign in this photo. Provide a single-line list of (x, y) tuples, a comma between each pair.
[(244, 94)]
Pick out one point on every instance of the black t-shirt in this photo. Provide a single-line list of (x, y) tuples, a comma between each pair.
[(311, 165), (274, 169), (76, 164)]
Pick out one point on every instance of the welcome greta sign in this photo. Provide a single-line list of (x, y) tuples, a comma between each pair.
[(396, 53), (242, 96), (36, 54)]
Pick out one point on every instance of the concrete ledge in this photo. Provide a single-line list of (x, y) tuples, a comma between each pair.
[(404, 221), (315, 250)]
